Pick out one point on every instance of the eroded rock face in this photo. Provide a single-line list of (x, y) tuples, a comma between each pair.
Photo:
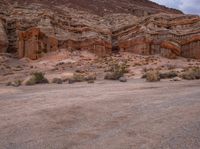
[(164, 34), (33, 42), (36, 29), (3, 39), (170, 49)]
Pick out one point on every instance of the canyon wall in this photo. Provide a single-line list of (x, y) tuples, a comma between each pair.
[(34, 30)]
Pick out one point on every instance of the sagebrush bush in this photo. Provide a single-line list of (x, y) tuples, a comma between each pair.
[(116, 71), (191, 73)]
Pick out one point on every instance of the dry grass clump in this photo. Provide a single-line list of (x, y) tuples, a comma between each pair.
[(191, 73), (79, 77), (37, 78), (82, 77), (152, 76)]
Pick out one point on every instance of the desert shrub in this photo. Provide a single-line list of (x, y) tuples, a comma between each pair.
[(90, 81), (16, 83), (57, 81), (31, 81), (90, 77), (78, 77), (71, 81), (111, 76), (153, 76), (144, 76), (37, 78), (171, 66), (191, 73), (116, 71), (8, 83), (168, 75), (81, 77)]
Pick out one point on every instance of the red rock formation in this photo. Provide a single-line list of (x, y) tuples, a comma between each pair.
[(170, 36), (191, 47), (170, 49), (37, 29), (33, 43)]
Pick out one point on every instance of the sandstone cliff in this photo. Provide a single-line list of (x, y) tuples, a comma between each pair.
[(30, 30)]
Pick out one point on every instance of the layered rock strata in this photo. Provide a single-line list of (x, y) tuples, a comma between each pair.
[(36, 29), (168, 35)]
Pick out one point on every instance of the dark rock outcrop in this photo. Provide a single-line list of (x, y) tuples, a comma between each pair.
[(3, 39)]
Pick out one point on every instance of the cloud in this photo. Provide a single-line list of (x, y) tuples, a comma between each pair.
[(187, 6)]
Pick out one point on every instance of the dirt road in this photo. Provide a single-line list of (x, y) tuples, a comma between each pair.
[(104, 115)]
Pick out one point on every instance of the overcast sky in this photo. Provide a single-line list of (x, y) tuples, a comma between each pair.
[(187, 6)]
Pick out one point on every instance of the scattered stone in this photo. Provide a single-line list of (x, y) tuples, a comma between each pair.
[(122, 79), (176, 79)]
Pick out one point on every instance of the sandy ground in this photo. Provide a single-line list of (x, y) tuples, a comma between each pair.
[(104, 115)]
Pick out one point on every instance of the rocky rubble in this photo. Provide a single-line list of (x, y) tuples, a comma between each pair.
[(31, 30)]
